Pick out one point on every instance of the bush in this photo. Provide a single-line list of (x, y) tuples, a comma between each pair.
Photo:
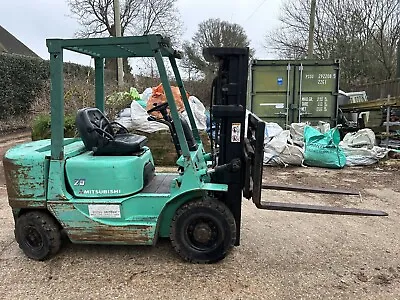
[(24, 79), (41, 128), (21, 80), (117, 101)]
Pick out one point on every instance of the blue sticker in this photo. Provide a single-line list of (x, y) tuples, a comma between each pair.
[(280, 81)]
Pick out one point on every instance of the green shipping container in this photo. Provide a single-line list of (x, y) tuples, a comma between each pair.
[(287, 91)]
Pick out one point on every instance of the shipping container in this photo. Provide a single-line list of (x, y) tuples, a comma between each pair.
[(287, 91)]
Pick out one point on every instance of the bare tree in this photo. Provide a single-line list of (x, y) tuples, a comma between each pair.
[(211, 33), (385, 33), (137, 17), (362, 33)]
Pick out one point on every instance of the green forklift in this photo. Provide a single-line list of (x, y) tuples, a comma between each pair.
[(102, 188)]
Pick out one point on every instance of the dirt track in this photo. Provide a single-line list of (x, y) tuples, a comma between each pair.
[(282, 256)]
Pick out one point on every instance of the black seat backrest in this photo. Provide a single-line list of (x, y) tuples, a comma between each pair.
[(88, 123)]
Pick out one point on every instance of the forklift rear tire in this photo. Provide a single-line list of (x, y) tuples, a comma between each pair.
[(38, 235), (203, 231)]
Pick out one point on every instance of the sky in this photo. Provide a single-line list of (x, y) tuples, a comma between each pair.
[(40, 19)]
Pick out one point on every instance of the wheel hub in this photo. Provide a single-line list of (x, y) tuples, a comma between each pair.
[(33, 237), (202, 233)]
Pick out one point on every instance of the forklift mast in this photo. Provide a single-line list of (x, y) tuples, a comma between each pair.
[(228, 111), (238, 155)]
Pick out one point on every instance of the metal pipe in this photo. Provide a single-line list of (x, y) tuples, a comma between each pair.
[(387, 123), (57, 103), (99, 80), (300, 92), (288, 94), (185, 100)]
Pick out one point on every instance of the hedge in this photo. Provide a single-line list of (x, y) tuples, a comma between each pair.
[(22, 80), (41, 127)]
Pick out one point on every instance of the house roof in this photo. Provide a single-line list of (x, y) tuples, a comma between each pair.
[(10, 44)]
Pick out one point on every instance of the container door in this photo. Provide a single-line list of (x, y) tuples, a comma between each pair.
[(316, 92), (271, 94)]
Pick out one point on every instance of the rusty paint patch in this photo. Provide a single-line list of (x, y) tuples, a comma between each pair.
[(61, 197), (12, 181), (25, 203), (19, 181), (134, 234), (82, 229)]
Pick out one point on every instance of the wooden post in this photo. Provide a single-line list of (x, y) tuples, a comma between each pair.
[(311, 30), (117, 24)]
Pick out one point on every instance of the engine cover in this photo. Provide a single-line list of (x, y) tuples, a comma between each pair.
[(92, 176)]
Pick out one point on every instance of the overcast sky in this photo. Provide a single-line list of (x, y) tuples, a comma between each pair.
[(34, 21)]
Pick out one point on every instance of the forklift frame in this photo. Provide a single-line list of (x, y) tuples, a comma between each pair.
[(116, 47), (199, 208)]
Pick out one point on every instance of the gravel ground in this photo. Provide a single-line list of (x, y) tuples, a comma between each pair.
[(281, 256)]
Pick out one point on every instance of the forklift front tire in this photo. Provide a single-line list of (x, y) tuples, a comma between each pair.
[(203, 231), (38, 235)]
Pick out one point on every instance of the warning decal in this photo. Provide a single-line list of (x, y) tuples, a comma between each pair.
[(104, 211), (235, 135)]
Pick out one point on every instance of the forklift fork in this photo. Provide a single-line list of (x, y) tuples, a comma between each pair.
[(319, 209), (254, 144)]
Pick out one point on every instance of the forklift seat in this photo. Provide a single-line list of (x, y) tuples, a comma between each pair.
[(99, 136)]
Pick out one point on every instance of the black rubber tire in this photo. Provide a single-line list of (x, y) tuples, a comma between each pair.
[(217, 220), (38, 235)]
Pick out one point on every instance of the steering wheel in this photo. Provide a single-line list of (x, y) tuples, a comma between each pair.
[(158, 107)]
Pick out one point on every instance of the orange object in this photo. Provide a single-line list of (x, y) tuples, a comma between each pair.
[(158, 97)]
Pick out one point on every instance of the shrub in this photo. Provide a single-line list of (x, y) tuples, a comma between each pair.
[(41, 127), (116, 102), (21, 80)]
